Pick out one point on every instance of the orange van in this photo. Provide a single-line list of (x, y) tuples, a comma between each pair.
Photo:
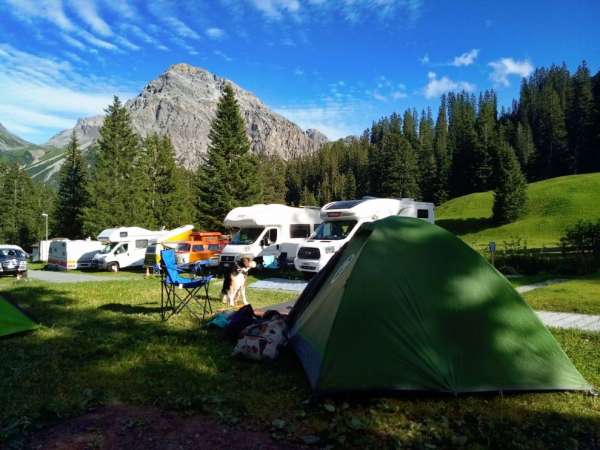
[(203, 245)]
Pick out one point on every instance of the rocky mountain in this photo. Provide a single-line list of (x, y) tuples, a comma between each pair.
[(182, 103), (87, 131)]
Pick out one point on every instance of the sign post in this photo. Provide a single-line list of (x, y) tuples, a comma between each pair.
[(492, 250)]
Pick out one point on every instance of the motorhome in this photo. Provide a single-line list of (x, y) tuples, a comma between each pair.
[(39, 251), (342, 219), (125, 247), (169, 240), (268, 231), (202, 246), (67, 254)]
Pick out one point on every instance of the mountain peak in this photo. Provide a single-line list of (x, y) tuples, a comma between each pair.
[(182, 102)]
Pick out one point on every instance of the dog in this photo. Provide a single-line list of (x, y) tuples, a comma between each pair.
[(234, 281)]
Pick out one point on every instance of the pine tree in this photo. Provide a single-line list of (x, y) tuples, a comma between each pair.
[(427, 161), (399, 175), (72, 196), (273, 178), (510, 196), (580, 120), (524, 146), (168, 194), (443, 158), (119, 182), (228, 176)]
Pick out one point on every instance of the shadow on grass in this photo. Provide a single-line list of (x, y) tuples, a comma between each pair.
[(130, 309), (87, 355), (465, 226)]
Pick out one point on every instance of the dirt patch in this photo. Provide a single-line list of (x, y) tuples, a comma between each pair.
[(131, 428)]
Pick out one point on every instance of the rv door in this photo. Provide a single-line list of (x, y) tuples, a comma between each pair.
[(269, 242)]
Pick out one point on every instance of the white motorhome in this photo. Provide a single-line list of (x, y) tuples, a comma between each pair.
[(342, 219), (126, 246), (268, 231), (65, 254), (39, 251)]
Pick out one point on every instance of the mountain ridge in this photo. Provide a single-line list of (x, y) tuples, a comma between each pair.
[(182, 102)]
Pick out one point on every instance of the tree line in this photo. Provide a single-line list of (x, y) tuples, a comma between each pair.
[(553, 129)]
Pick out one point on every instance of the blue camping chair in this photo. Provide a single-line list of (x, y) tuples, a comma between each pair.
[(196, 289)]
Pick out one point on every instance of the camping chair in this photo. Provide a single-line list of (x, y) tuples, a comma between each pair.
[(172, 280)]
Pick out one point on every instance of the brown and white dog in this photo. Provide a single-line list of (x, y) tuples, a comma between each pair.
[(234, 281)]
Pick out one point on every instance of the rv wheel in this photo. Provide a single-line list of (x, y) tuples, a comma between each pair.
[(113, 267)]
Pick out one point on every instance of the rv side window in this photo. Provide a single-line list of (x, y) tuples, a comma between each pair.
[(423, 213), (198, 248), (141, 243), (123, 234), (299, 231), (214, 247)]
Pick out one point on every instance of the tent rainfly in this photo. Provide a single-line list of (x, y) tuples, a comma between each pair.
[(408, 306), (13, 320)]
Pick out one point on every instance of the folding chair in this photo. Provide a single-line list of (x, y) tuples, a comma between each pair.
[(195, 289)]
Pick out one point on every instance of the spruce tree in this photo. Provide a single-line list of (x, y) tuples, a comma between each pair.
[(118, 185), (427, 161), (510, 195), (399, 175), (580, 120), (443, 158), (168, 196), (72, 198), (273, 178), (228, 176)]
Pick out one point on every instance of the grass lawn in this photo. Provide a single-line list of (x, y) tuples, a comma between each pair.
[(553, 205), (103, 344), (579, 295)]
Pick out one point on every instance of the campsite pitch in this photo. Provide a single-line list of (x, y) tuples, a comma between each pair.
[(102, 344)]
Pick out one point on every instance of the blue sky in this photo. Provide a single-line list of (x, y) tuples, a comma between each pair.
[(332, 65)]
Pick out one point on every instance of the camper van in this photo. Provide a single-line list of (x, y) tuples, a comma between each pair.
[(65, 254), (126, 246), (39, 251), (341, 219), (268, 231)]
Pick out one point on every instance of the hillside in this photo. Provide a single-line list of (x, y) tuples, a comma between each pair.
[(182, 103), (553, 205), (15, 149)]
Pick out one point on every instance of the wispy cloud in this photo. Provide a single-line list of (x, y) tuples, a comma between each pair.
[(51, 10), (438, 86), (466, 59), (181, 28), (42, 96), (73, 42), (223, 55), (353, 11), (504, 67), (88, 12), (215, 33), (143, 36)]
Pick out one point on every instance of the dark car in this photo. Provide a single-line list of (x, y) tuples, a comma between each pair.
[(13, 261)]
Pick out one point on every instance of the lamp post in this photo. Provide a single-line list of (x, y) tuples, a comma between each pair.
[(45, 216)]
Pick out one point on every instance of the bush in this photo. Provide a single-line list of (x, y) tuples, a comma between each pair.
[(582, 238)]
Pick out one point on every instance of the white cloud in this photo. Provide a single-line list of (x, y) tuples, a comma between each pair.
[(215, 33), (334, 120), (143, 36), (298, 72), (41, 96), (223, 55), (425, 59), (504, 67), (181, 28), (274, 9), (438, 86), (87, 11), (51, 10), (73, 42), (466, 59), (96, 42)]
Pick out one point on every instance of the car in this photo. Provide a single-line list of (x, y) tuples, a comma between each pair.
[(13, 261)]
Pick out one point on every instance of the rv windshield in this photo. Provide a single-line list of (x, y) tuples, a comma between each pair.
[(108, 248), (183, 247), (333, 231), (246, 236)]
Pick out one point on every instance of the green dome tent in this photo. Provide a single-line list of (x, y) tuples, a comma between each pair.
[(12, 320), (407, 306)]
